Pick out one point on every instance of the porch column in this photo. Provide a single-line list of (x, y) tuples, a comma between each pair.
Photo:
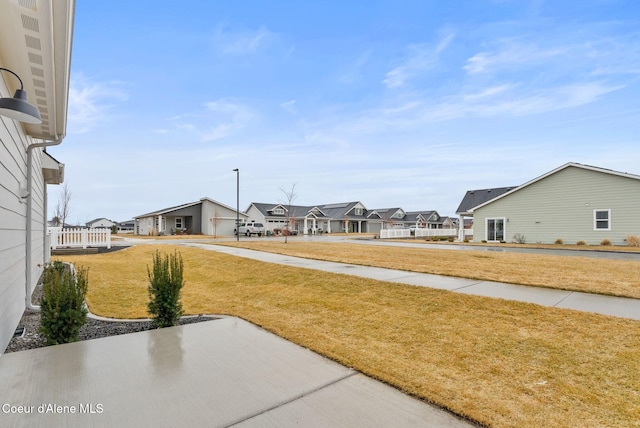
[(328, 226), (359, 226), (305, 231), (159, 223)]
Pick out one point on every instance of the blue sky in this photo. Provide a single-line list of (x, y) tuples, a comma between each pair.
[(392, 103)]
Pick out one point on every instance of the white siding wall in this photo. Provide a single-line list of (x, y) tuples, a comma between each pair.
[(226, 219), (145, 225), (13, 210), (561, 206)]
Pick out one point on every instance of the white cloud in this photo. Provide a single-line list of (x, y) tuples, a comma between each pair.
[(289, 106), (226, 116), (511, 54), (421, 58), (90, 103), (352, 72), (242, 42)]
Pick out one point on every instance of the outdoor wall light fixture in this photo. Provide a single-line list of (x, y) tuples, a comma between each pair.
[(17, 107)]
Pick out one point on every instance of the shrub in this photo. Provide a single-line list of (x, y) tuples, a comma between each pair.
[(633, 240), (62, 307), (581, 242), (559, 241), (605, 242), (519, 238), (165, 283)]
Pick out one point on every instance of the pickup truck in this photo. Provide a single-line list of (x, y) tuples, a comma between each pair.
[(250, 228)]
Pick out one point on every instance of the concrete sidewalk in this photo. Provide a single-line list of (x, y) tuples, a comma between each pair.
[(219, 373), (586, 302)]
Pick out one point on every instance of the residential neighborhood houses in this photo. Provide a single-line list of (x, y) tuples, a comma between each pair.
[(209, 217), (571, 203)]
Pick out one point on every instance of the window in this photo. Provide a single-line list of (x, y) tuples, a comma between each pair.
[(495, 229), (358, 211), (601, 219), (278, 211), (178, 223)]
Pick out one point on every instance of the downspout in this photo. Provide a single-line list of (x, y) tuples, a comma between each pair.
[(28, 258)]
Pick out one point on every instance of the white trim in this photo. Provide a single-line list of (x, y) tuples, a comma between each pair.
[(486, 229), (595, 220)]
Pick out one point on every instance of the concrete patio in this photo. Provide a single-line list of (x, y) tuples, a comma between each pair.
[(219, 373)]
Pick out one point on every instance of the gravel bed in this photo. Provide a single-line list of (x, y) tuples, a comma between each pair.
[(93, 329)]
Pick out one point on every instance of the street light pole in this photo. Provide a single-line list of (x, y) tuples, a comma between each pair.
[(237, 204)]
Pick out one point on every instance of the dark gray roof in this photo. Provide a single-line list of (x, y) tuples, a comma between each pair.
[(473, 198), (183, 206), (170, 209), (335, 211), (413, 215)]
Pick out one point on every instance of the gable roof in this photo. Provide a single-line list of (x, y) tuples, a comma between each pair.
[(388, 213), (168, 210), (474, 198), (295, 211), (187, 205), (98, 219), (554, 171), (426, 215)]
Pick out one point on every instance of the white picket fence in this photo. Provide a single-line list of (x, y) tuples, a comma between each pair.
[(420, 233), (79, 237)]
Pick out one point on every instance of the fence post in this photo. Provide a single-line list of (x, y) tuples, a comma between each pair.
[(85, 237), (53, 238)]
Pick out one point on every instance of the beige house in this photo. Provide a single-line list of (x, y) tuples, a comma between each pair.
[(35, 44)]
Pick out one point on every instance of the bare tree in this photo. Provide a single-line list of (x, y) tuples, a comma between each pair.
[(63, 208), (291, 195), (215, 221)]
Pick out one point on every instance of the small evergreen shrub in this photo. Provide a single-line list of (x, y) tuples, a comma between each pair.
[(633, 240), (165, 283), (605, 242), (581, 242), (62, 307), (559, 241)]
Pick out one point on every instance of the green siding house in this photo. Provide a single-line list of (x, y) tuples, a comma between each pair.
[(574, 203)]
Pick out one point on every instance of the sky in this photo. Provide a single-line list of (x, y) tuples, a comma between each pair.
[(400, 103)]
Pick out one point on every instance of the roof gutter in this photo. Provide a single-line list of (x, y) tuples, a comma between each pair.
[(29, 228)]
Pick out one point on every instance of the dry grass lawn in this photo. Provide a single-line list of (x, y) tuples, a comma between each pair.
[(501, 363), (602, 276)]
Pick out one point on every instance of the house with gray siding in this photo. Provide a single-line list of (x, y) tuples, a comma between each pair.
[(573, 202), (206, 217), (349, 217), (35, 43)]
